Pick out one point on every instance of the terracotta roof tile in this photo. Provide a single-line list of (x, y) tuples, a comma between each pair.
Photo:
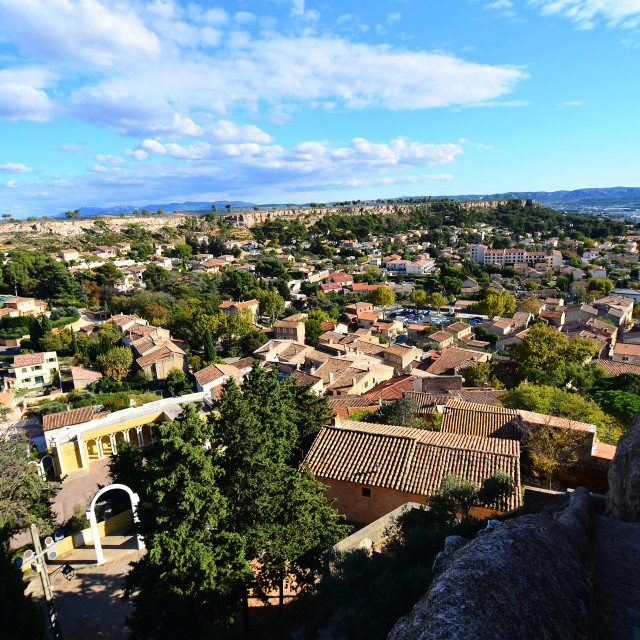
[(410, 460), (481, 420), (68, 418), (28, 359)]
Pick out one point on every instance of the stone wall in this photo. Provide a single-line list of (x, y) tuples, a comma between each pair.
[(623, 499), (527, 578)]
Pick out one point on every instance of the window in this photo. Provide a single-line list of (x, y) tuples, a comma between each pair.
[(366, 492), (51, 359)]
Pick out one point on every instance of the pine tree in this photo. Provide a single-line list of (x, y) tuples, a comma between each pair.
[(194, 567), (45, 324), (261, 427), (209, 349)]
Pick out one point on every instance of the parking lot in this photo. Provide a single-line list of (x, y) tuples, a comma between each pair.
[(421, 316)]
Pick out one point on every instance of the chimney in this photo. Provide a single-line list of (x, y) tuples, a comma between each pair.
[(336, 421), (331, 377), (353, 382)]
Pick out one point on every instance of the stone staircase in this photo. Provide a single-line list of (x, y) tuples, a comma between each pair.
[(617, 579)]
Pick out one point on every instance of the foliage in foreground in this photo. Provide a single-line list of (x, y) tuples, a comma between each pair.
[(365, 595)]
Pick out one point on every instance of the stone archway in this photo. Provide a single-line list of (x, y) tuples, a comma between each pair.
[(91, 517)]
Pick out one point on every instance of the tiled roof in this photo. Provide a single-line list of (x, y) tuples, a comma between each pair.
[(439, 336), (165, 351), (391, 389), (409, 460), (616, 368), (28, 359), (455, 358), (215, 371), (68, 418), (83, 373), (304, 378), (345, 412), (627, 349), (604, 451), (348, 401), (531, 417), (456, 327), (485, 421)]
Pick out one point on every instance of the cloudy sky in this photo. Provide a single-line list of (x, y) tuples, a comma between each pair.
[(132, 102)]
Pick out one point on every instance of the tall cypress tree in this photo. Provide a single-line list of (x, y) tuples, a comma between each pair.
[(260, 427), (209, 349), (194, 567)]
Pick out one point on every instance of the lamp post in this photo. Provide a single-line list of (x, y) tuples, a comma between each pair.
[(38, 563)]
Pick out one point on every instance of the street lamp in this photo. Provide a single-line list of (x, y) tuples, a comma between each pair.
[(38, 563)]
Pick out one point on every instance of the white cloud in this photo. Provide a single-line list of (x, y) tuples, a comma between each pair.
[(10, 167), (586, 13), (393, 17), (98, 168), (478, 145), (23, 102), (498, 5), (82, 30), (109, 159), (570, 104)]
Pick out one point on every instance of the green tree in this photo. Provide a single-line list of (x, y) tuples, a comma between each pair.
[(261, 429), (21, 616), (271, 304), (116, 363), (483, 373), (556, 401), (209, 348), (418, 297), (601, 286), (436, 300), (25, 497), (500, 303), (532, 306), (382, 297), (194, 566), (399, 412), (313, 330), (176, 379)]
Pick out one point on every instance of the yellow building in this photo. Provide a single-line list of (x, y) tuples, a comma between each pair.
[(76, 445)]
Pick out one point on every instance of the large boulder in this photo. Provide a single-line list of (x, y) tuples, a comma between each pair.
[(623, 499), (527, 578)]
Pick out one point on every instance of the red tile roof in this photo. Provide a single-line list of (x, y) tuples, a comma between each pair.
[(480, 420), (68, 418), (410, 460), (616, 368), (391, 389), (28, 359)]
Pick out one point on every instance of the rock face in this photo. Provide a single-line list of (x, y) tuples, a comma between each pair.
[(623, 499), (527, 578)]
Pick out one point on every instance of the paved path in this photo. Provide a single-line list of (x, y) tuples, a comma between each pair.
[(617, 579), (90, 605)]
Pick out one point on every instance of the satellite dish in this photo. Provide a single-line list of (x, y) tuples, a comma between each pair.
[(27, 555), (59, 535), (48, 541), (52, 555)]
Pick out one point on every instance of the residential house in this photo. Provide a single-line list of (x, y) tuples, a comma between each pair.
[(627, 353), (469, 285), (436, 340), (401, 357), (390, 329), (69, 255), (104, 253), (367, 320), (16, 307), (359, 307), (231, 308), (460, 330), (215, 375), (83, 376), (31, 370), (288, 329), (452, 360), (158, 361), (351, 374), (372, 469), (553, 318)]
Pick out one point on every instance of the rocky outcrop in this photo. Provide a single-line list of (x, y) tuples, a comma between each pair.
[(623, 499), (530, 577)]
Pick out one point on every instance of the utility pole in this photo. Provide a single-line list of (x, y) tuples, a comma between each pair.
[(41, 568)]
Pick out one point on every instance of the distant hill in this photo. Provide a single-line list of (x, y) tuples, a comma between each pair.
[(171, 206), (611, 196)]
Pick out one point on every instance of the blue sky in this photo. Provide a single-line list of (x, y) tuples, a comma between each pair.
[(107, 103)]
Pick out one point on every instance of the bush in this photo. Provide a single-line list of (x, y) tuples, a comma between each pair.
[(77, 522), (117, 403)]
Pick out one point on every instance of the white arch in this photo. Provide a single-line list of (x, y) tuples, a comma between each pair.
[(91, 517)]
